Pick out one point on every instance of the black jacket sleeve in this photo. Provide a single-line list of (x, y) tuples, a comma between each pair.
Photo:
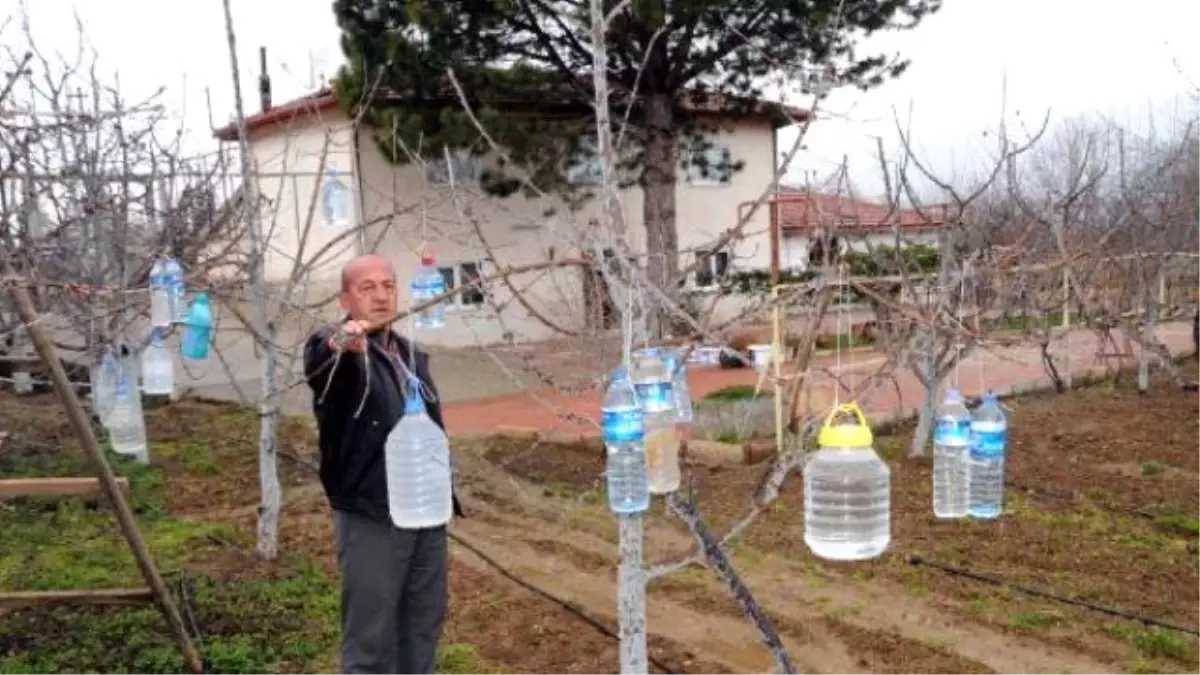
[(319, 370)]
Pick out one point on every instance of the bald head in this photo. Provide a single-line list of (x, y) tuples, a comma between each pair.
[(369, 288)]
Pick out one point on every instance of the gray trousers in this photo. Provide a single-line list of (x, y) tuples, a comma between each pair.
[(394, 595)]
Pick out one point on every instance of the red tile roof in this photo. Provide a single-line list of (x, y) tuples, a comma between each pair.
[(801, 210), (326, 98)]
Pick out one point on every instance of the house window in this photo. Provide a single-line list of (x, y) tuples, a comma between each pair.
[(464, 274), (584, 167), (711, 268), (467, 168), (709, 164)]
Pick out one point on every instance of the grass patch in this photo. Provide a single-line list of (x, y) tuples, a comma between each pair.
[(735, 392)]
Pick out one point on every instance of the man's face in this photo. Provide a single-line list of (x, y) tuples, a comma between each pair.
[(371, 292)]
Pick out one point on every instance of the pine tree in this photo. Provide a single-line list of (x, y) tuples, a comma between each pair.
[(680, 58)]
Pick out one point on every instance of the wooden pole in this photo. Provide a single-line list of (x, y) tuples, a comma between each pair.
[(108, 481)]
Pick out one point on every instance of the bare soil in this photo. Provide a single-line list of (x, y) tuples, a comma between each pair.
[(1102, 506)]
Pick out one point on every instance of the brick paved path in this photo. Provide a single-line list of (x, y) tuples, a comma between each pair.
[(1002, 369)]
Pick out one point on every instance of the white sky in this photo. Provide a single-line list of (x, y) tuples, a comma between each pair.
[(1069, 56)]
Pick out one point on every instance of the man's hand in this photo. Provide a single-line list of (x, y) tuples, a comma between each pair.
[(351, 337)]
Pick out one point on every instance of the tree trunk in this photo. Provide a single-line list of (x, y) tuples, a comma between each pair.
[(926, 371), (658, 203), (631, 594), (268, 446)]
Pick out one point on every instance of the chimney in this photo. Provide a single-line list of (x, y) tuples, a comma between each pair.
[(264, 80)]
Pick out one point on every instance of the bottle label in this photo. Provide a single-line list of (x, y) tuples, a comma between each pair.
[(988, 443), (623, 425), (952, 432), (656, 395)]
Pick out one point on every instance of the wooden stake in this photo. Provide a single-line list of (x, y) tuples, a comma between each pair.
[(54, 487), (112, 489), (111, 596)]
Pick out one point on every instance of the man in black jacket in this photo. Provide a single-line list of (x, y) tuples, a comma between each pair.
[(394, 581)]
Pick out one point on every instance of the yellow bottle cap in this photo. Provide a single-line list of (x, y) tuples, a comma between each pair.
[(846, 435)]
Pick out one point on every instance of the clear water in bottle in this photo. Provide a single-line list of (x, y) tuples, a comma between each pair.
[(428, 283), (417, 461), (160, 295), (624, 435), (684, 413), (126, 426), (847, 492), (197, 329), (104, 385), (652, 381), (158, 368), (951, 447), (176, 290), (989, 438)]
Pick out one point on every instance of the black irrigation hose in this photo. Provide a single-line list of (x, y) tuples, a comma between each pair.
[(1069, 496), (1029, 590), (570, 607)]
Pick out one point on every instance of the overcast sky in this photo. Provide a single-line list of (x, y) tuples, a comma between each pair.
[(1123, 60)]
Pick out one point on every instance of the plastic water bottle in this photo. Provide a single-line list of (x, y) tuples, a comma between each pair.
[(417, 461), (847, 492), (158, 369), (126, 427), (22, 346), (951, 447), (684, 413), (104, 385), (653, 383), (428, 283), (160, 296), (176, 290), (989, 436), (197, 329), (624, 434)]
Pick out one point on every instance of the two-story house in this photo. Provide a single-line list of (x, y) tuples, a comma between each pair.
[(361, 203)]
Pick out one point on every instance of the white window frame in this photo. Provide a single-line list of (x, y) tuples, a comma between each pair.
[(716, 263), (468, 168), (717, 154), (467, 300)]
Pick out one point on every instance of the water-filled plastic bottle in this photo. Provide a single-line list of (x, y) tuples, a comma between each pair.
[(126, 427), (951, 446), (158, 369), (160, 294), (684, 413), (176, 290), (197, 329), (104, 385), (624, 434), (989, 438), (417, 461), (653, 383), (22, 346), (335, 199), (428, 283), (847, 492)]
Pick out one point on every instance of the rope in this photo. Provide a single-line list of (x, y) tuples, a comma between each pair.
[(1029, 590)]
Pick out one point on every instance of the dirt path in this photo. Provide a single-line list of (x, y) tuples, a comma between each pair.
[(838, 625)]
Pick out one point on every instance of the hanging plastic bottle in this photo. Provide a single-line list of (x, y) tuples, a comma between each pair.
[(22, 347), (417, 461), (624, 436), (428, 283), (126, 426), (847, 492), (989, 438), (158, 369), (951, 447), (176, 289), (653, 383), (197, 329), (335, 199), (684, 412), (160, 296), (104, 385)]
